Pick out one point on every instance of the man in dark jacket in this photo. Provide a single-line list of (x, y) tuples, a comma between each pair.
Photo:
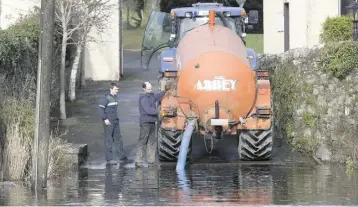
[(109, 116), (147, 117)]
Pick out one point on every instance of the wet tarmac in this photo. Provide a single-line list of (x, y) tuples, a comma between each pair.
[(216, 179)]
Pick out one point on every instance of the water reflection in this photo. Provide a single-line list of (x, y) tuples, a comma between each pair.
[(198, 185), (225, 186)]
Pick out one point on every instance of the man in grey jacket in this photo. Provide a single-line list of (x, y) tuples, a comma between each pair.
[(148, 115)]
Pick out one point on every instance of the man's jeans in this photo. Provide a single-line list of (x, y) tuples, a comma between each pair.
[(147, 142), (112, 135)]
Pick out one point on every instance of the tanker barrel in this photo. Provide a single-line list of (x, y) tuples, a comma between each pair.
[(184, 146)]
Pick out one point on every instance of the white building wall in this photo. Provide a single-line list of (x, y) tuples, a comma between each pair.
[(298, 22), (101, 58), (273, 26), (306, 18), (326, 8)]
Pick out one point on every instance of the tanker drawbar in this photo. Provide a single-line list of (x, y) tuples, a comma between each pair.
[(214, 84)]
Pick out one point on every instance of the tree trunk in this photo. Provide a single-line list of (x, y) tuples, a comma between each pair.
[(155, 5), (1, 161), (83, 71), (150, 5), (74, 69), (62, 76)]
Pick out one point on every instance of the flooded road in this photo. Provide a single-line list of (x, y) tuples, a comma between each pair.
[(286, 180), (202, 184)]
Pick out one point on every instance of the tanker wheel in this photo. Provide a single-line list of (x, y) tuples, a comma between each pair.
[(169, 145), (255, 145)]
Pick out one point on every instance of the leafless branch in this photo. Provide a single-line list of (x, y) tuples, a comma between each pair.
[(78, 17)]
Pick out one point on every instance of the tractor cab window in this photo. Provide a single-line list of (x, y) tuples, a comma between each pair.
[(156, 36), (188, 24), (158, 32)]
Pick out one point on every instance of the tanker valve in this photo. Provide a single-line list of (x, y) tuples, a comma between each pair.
[(242, 120), (168, 112)]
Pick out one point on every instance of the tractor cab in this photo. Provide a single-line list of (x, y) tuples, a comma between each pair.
[(167, 29)]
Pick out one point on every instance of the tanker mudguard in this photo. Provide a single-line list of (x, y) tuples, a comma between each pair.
[(166, 65)]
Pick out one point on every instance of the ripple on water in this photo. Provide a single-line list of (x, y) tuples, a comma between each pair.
[(99, 184)]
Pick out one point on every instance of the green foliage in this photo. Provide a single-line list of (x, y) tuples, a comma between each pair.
[(310, 104), (289, 129), (18, 67), (289, 93), (335, 29), (340, 58), (349, 166), (284, 91), (303, 144), (256, 42), (19, 45), (17, 121), (309, 119)]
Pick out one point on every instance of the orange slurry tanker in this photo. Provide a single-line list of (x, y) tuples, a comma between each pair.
[(212, 82)]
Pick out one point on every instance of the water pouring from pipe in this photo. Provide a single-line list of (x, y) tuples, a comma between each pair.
[(184, 147)]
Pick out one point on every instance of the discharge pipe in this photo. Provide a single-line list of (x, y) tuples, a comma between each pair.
[(184, 184), (184, 146)]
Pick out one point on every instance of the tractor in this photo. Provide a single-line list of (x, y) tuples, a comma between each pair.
[(213, 79)]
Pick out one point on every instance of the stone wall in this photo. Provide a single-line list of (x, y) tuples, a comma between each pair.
[(315, 112)]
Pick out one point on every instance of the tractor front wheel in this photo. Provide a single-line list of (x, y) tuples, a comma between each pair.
[(169, 144)]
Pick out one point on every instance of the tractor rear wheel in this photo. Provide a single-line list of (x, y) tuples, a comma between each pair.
[(255, 145), (169, 145)]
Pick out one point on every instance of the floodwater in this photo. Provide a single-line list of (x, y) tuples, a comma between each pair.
[(201, 184)]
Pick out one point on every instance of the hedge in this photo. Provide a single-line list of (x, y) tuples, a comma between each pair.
[(339, 54), (335, 29), (18, 68), (339, 58), (19, 46)]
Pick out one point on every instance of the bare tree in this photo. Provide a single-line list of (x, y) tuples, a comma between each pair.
[(83, 72), (134, 12), (65, 11), (75, 17), (95, 14)]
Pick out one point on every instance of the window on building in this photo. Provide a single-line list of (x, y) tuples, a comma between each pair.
[(344, 4)]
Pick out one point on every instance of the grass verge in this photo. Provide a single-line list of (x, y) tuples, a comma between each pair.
[(17, 124), (256, 42), (133, 38)]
